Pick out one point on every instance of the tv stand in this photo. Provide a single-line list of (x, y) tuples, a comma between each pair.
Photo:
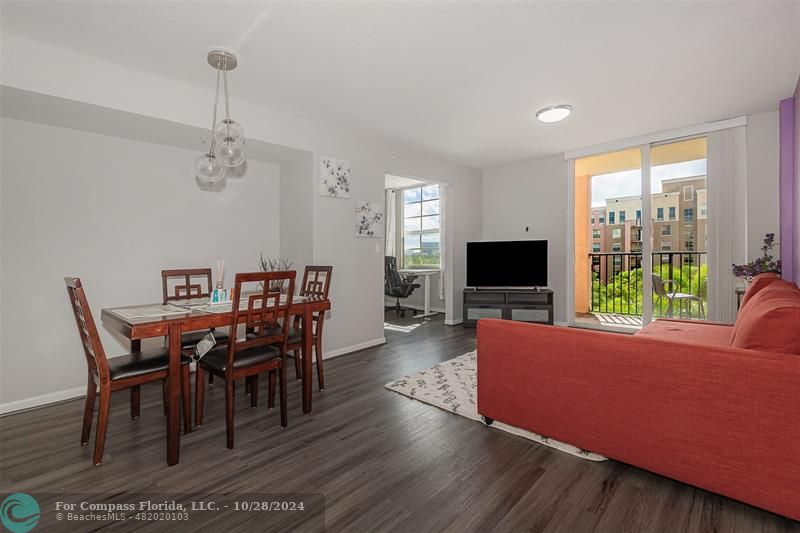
[(524, 304)]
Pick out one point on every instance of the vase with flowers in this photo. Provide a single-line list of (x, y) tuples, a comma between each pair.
[(765, 263), (268, 264)]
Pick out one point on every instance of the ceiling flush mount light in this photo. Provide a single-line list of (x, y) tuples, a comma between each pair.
[(554, 113), (227, 148)]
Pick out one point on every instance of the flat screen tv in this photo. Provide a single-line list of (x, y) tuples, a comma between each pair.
[(507, 264)]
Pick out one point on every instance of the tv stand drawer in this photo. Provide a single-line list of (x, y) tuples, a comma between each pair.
[(484, 297), (532, 298)]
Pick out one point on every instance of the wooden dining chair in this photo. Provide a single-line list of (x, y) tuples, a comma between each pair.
[(190, 283), (118, 373), (263, 350), (316, 284)]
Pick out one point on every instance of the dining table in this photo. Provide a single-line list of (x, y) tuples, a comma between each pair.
[(173, 321)]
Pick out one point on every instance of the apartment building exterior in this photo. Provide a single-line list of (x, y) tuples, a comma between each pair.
[(679, 213)]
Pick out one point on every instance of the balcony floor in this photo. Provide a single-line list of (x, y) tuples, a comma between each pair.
[(631, 322)]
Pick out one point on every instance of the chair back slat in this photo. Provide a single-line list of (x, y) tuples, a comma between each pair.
[(92, 347), (316, 281), (392, 277), (658, 286), (189, 284), (266, 316)]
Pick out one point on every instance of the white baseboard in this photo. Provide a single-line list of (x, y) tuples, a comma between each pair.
[(44, 399), (78, 392), (453, 322), (354, 348)]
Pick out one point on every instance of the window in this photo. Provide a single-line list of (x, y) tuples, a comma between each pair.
[(660, 214), (616, 233), (421, 227), (616, 247), (688, 214), (638, 216), (596, 247), (672, 213), (611, 217), (595, 234), (602, 220), (592, 219), (688, 193), (621, 217), (689, 246), (703, 211), (666, 246), (666, 230)]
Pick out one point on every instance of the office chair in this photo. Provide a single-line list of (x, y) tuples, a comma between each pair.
[(397, 285)]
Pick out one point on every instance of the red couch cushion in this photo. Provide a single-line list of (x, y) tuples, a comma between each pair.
[(759, 282), (771, 320), (690, 332)]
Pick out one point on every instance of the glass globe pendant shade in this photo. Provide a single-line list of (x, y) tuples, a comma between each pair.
[(228, 128), (208, 169), (229, 152)]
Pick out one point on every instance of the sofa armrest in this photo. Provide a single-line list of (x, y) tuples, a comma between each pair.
[(721, 418)]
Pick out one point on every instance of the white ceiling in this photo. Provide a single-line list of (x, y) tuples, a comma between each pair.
[(461, 80)]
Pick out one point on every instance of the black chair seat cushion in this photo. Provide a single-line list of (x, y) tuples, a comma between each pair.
[(190, 340), (140, 363), (295, 335), (217, 358)]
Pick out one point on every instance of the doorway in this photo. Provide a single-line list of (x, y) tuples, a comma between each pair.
[(414, 253)]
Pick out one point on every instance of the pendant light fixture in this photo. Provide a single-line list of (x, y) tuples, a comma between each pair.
[(227, 148)]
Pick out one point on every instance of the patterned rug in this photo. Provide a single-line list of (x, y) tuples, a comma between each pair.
[(453, 386)]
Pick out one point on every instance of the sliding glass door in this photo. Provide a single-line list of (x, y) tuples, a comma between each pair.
[(640, 236), (679, 234), (608, 239)]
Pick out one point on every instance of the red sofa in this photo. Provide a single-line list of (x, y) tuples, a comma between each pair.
[(686, 400)]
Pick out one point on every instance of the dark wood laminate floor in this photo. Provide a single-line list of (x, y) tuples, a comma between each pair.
[(383, 462)]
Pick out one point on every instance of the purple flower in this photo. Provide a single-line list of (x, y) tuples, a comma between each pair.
[(765, 263)]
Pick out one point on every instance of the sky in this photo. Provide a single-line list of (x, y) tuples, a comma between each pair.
[(629, 183)]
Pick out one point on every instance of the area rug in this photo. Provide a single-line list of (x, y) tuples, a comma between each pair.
[(453, 386)]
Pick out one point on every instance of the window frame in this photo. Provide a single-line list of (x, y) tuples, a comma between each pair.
[(420, 232)]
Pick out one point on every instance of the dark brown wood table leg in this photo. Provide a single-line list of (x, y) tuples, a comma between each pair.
[(174, 395), (136, 346), (307, 356)]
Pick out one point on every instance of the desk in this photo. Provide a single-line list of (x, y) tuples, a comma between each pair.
[(427, 273), (174, 325)]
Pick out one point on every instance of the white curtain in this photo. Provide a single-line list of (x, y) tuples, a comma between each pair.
[(443, 192), (727, 218), (391, 222)]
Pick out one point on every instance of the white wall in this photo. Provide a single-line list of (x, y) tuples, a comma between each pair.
[(113, 212), (356, 319), (532, 194), (763, 180)]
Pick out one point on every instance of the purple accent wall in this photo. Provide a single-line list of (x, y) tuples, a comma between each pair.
[(796, 232), (787, 188)]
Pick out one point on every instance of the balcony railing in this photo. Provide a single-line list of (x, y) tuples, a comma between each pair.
[(617, 280)]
